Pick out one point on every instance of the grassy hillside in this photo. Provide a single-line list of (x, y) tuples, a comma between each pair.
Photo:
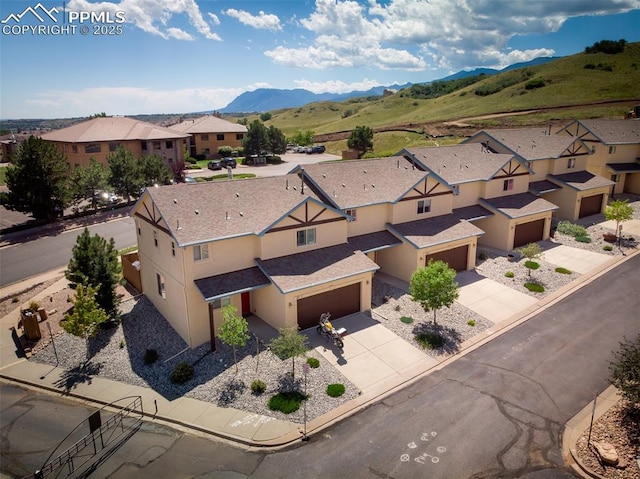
[(576, 80)]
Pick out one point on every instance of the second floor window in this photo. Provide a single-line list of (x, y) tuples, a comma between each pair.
[(200, 252), (571, 163), (220, 137), (204, 137), (353, 213), (507, 185), (239, 136), (220, 302), (424, 206), (304, 237), (113, 146), (161, 287), (612, 150), (92, 148)]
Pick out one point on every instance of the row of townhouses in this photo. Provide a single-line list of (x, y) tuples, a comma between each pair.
[(288, 248)]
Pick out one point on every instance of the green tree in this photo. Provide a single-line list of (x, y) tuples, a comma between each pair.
[(94, 262), (87, 181), (361, 139), (266, 116), (532, 252), (434, 286), (625, 371), (38, 180), (124, 177), (154, 170), (302, 138), (234, 330), (618, 211), (289, 344), (256, 139), (86, 317), (277, 141)]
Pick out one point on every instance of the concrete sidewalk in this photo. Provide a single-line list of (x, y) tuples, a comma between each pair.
[(253, 429)]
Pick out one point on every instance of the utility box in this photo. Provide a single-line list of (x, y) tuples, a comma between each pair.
[(31, 325)]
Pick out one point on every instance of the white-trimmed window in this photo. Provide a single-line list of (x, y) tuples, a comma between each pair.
[(571, 163), (200, 252), (305, 237), (161, 286), (507, 185), (615, 178), (612, 149), (353, 213), (221, 302), (424, 206)]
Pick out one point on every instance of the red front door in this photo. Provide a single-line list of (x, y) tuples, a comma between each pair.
[(246, 303)]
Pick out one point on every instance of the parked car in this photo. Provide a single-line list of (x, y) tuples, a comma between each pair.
[(214, 165), (226, 162), (106, 198), (316, 149)]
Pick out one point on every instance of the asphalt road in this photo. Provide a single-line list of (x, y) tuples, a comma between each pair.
[(497, 412), (23, 260)]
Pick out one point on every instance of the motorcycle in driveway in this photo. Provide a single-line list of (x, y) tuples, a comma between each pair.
[(326, 329)]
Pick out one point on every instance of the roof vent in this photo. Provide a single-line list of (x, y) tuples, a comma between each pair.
[(178, 225), (241, 213), (364, 171), (226, 215), (372, 185), (237, 195), (343, 185), (324, 175), (197, 212), (294, 188), (286, 185), (175, 201)]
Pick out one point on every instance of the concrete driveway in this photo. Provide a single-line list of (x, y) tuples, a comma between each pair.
[(574, 259), (373, 356)]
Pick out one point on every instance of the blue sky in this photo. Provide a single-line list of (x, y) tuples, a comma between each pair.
[(174, 56)]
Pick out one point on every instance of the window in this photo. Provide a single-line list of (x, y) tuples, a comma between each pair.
[(239, 136), (221, 302), (113, 146), (424, 206), (612, 150), (74, 148), (200, 252), (220, 137), (144, 145), (571, 163), (615, 178), (168, 144), (305, 237), (161, 288), (157, 145), (92, 148), (353, 213), (204, 137), (507, 185), (155, 238), (173, 249)]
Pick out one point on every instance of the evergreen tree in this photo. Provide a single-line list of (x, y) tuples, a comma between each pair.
[(87, 181), (86, 317), (361, 139), (434, 286), (234, 330), (38, 181), (125, 177), (277, 141), (94, 262), (256, 140), (625, 371), (154, 170)]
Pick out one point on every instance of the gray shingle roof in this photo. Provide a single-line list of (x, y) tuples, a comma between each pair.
[(518, 206), (624, 167), (215, 210), (374, 241), (311, 268), (434, 231), (544, 186), (532, 143), (113, 128), (581, 180), (612, 132), (350, 184), (460, 163), (235, 282)]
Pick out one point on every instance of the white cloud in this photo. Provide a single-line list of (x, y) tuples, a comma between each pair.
[(127, 101), (336, 86), (262, 21), (429, 34), (153, 16)]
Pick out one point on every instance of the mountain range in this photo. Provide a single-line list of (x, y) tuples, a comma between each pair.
[(266, 99)]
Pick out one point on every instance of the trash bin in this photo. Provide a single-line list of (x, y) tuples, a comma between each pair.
[(31, 325), (42, 313)]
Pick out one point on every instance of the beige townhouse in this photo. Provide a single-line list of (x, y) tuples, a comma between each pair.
[(210, 132), (558, 166), (103, 135), (491, 191), (615, 148)]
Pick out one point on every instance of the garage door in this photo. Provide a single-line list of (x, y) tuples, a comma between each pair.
[(339, 302), (528, 233), (456, 258), (590, 205)]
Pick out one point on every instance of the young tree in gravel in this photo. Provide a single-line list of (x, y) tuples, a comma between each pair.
[(86, 317), (532, 252), (153, 170), (289, 344), (94, 262), (38, 180), (618, 211), (434, 286), (234, 330), (625, 371), (361, 140), (87, 181), (124, 177)]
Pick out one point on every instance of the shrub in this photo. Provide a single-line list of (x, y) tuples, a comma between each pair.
[(397, 307), (483, 256), (150, 356), (583, 239), (406, 319), (563, 270), (286, 402), (533, 84), (313, 362), (571, 229), (532, 265), (471, 322), (430, 340), (510, 274), (607, 247), (34, 306), (258, 387), (182, 373), (225, 151), (335, 390), (534, 287), (15, 299), (121, 345)]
